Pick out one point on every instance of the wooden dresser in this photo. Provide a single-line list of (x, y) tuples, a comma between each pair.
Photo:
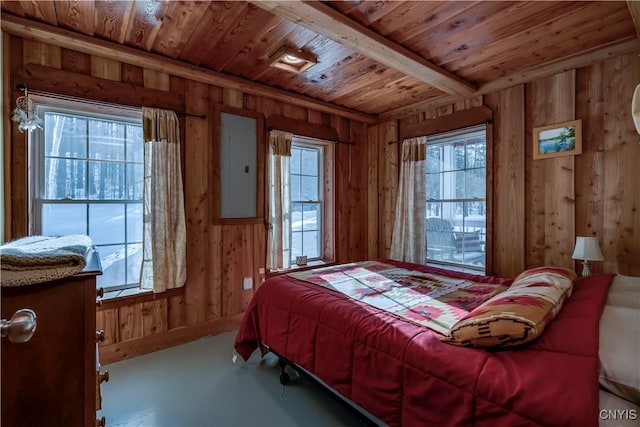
[(51, 379)]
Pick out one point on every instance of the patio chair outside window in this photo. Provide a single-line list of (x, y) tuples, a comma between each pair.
[(456, 198), (444, 244)]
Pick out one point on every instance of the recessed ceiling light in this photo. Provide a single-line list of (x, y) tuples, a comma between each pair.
[(290, 59), (293, 60)]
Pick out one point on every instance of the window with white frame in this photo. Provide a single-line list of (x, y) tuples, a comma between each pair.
[(456, 198), (310, 177), (88, 179)]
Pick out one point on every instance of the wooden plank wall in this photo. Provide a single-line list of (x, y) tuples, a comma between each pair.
[(218, 256), (508, 161), (607, 190), (540, 206), (383, 170), (549, 183)]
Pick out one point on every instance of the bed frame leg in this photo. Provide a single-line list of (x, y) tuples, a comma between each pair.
[(284, 376)]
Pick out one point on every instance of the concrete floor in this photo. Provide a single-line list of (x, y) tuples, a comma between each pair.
[(197, 385)]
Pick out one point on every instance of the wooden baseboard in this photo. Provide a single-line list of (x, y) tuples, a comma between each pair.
[(137, 347)]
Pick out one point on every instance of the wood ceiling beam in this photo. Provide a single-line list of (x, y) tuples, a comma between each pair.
[(634, 9), (44, 33), (583, 59), (332, 24)]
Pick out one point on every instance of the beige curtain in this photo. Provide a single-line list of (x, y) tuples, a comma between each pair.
[(164, 236), (409, 240), (279, 208)]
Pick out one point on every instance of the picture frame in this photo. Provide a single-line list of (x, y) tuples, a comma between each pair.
[(560, 139)]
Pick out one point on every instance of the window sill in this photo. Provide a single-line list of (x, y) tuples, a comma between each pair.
[(452, 267), (135, 296), (294, 267)]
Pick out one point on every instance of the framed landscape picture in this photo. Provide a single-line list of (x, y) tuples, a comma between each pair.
[(560, 139)]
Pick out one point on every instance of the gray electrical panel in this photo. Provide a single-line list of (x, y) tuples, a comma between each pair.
[(238, 166)]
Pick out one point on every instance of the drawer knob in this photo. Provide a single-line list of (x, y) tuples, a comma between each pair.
[(102, 422), (20, 327), (104, 377), (100, 335)]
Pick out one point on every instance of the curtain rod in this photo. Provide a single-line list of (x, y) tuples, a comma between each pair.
[(22, 87), (335, 141), (486, 122), (184, 113)]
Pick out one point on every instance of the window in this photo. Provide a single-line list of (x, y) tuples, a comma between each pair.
[(88, 179), (310, 184), (456, 198)]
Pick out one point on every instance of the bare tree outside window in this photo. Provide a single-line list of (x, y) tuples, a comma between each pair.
[(90, 182), (306, 201)]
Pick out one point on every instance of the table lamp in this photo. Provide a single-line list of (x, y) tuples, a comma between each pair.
[(587, 249)]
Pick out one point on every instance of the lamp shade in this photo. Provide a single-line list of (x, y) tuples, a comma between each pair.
[(587, 248)]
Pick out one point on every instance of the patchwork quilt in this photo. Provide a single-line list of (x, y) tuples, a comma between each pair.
[(433, 300)]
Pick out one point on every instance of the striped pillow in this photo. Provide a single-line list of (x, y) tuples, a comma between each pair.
[(519, 314)]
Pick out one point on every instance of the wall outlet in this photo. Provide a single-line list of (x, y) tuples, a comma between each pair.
[(247, 283)]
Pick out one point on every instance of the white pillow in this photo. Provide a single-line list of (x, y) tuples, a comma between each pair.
[(620, 339)]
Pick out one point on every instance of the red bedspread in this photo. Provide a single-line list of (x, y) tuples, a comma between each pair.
[(405, 375)]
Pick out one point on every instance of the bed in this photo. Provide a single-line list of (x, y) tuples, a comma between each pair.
[(405, 374)]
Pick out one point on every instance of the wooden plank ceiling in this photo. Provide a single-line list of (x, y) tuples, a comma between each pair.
[(389, 54)]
